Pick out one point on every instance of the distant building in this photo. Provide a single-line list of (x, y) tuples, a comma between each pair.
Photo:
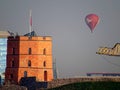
[(29, 56), (3, 51), (103, 74)]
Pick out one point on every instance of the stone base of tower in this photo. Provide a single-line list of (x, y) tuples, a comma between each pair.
[(14, 75), (40, 74)]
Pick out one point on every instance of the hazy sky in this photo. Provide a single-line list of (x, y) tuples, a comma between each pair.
[(74, 46)]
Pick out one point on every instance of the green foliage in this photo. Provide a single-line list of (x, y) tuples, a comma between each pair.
[(90, 86)]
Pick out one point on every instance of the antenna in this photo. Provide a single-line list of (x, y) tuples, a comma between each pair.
[(55, 69), (30, 22)]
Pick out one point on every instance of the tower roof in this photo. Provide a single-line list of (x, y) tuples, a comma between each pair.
[(31, 34)]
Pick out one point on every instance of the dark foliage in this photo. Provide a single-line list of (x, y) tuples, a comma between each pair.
[(90, 86)]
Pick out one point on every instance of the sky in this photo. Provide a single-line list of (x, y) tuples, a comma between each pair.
[(74, 46)]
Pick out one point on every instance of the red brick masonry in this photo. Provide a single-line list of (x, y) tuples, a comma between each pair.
[(28, 57)]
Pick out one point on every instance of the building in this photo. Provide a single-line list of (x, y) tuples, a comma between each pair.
[(3, 51), (29, 56), (103, 74)]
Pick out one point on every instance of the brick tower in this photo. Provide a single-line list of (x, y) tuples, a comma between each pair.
[(29, 57)]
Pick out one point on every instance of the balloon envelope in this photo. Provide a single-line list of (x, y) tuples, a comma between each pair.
[(91, 20)]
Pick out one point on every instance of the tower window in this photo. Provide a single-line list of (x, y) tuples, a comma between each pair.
[(44, 63), (29, 63), (29, 51), (45, 75), (11, 76), (13, 50), (12, 63), (25, 73), (44, 51)]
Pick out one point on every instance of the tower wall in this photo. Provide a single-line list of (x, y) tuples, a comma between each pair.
[(29, 56)]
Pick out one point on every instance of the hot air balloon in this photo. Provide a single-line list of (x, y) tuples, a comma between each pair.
[(91, 20)]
